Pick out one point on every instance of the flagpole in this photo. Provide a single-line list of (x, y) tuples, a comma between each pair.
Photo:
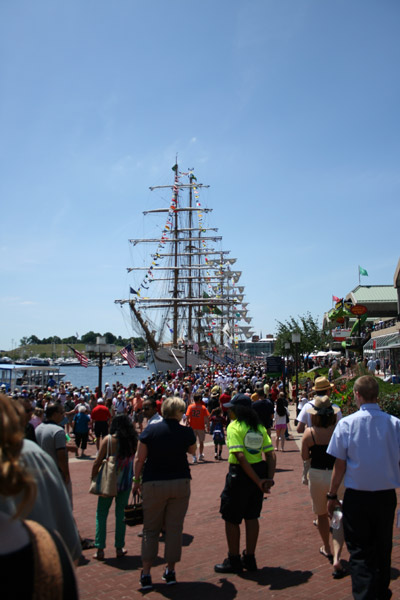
[(359, 276)]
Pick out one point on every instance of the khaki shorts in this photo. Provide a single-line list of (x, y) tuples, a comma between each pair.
[(200, 434), (319, 482)]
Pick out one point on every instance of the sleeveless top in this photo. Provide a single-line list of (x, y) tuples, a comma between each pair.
[(319, 458)]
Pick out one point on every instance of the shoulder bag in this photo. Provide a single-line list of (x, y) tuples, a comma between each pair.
[(105, 483)]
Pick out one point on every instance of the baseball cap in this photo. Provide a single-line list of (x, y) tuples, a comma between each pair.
[(239, 400)]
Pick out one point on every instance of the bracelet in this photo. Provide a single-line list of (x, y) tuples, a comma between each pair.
[(135, 480), (331, 496)]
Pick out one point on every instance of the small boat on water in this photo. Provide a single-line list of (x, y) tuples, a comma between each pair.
[(185, 298)]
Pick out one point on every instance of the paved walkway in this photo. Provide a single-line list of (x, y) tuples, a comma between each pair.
[(290, 565)]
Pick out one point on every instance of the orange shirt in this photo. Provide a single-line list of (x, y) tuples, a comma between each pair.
[(196, 414)]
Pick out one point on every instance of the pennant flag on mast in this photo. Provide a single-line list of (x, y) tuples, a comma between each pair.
[(362, 271), (81, 357), (335, 299), (129, 355)]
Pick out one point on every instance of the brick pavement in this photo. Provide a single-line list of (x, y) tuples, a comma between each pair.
[(290, 565)]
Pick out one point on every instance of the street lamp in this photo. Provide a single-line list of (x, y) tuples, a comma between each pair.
[(100, 350), (296, 342), (286, 365)]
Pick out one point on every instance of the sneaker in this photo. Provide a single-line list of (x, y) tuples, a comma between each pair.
[(216, 456), (169, 577), (201, 457), (194, 460), (145, 582), (249, 561), (232, 564)]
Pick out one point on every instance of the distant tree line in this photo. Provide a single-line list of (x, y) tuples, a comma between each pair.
[(87, 338)]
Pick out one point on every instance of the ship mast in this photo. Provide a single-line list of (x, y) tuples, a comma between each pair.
[(189, 327), (187, 304), (176, 270)]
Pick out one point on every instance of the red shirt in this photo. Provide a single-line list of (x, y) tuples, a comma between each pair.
[(100, 413), (274, 393)]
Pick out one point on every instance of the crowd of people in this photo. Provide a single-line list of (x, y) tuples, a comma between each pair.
[(152, 428)]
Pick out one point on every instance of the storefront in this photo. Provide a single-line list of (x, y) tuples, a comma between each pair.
[(385, 348)]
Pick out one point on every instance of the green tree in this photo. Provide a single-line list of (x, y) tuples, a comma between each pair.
[(110, 338), (33, 340), (138, 343), (50, 340), (311, 335), (89, 337), (72, 339)]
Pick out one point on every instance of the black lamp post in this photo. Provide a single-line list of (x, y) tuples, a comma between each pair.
[(296, 342), (100, 350)]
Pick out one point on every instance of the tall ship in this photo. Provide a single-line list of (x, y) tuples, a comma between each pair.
[(184, 292)]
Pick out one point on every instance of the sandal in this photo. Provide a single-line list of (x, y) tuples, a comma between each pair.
[(324, 553), (339, 573), (99, 554)]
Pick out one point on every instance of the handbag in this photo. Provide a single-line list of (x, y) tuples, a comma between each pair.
[(105, 483), (133, 513)]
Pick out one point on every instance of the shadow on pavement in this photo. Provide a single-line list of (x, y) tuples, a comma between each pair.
[(129, 563), (394, 574), (187, 539), (278, 578), (197, 590)]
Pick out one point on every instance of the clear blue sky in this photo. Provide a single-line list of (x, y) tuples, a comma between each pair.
[(289, 110)]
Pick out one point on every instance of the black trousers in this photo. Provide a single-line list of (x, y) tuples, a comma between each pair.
[(368, 530)]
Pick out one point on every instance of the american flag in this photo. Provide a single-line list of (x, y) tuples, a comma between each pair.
[(129, 355), (81, 357)]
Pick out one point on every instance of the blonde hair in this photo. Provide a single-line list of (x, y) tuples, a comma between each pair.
[(172, 406), (14, 478)]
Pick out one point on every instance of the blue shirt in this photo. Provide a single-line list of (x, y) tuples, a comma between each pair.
[(369, 442)]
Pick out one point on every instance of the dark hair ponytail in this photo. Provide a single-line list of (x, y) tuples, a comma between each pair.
[(246, 414)]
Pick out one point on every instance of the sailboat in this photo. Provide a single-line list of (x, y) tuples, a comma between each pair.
[(185, 298)]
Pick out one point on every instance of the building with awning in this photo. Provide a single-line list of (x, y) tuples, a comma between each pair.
[(377, 332), (384, 343), (380, 300)]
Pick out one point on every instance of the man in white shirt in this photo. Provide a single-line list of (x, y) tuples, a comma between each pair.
[(366, 445), (150, 412)]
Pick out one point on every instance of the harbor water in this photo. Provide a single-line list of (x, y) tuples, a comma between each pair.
[(81, 376)]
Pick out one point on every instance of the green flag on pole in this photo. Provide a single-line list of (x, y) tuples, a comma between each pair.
[(362, 271)]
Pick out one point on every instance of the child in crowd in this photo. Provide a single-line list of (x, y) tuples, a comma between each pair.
[(217, 424), (281, 414)]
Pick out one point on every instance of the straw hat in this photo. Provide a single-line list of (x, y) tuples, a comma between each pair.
[(321, 404), (321, 384)]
